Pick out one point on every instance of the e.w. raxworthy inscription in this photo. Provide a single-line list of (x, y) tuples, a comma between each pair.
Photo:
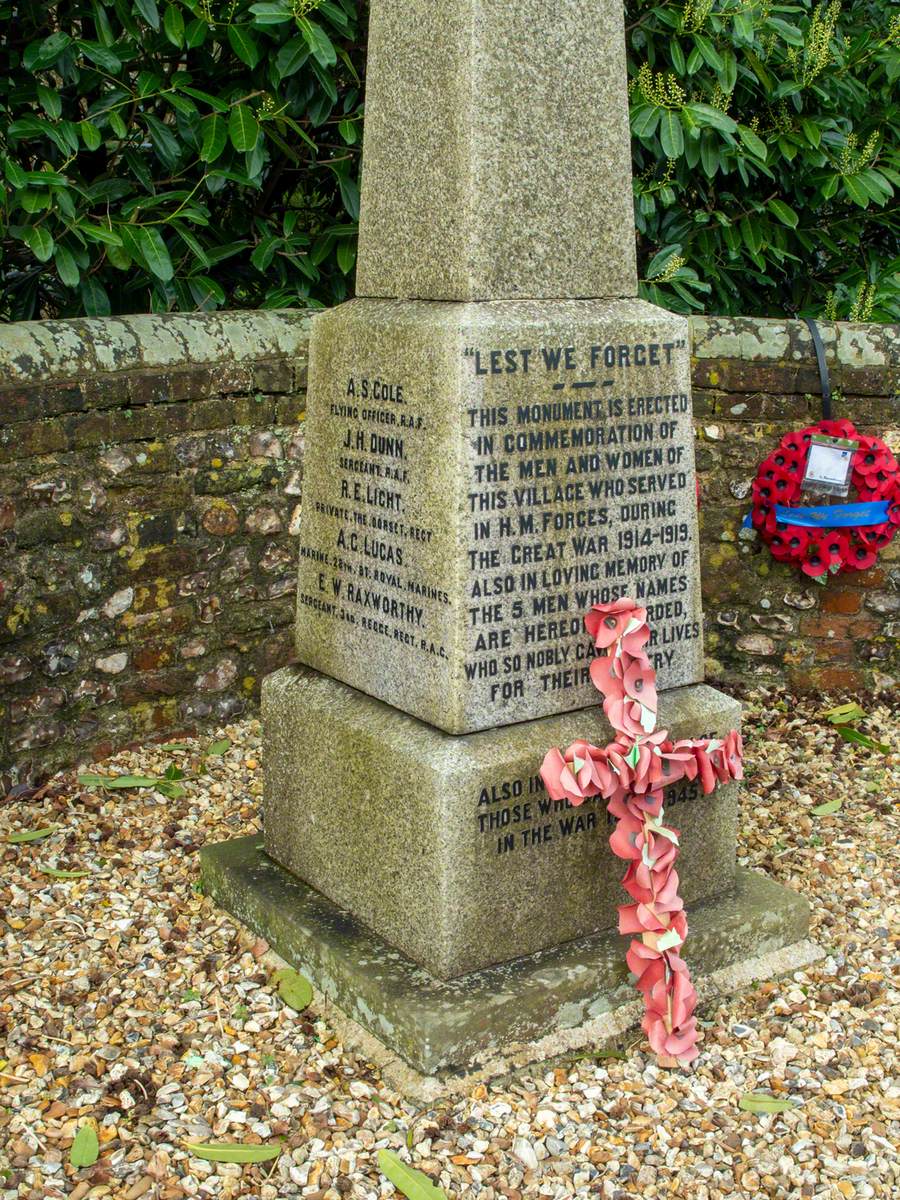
[(457, 523)]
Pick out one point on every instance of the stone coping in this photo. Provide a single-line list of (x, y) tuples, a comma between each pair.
[(38, 351), (43, 351)]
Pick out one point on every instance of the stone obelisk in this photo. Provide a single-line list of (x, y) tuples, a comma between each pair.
[(498, 435)]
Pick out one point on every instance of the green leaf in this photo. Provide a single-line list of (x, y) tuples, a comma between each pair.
[(856, 191), (412, 1183), (99, 233), (40, 242), (55, 873), (40, 55), (784, 213), (243, 43), (101, 56), (243, 128), (671, 133), (811, 132), (155, 253), (291, 57), (711, 56), (347, 130), (149, 11), (743, 25), (346, 256), (95, 297), (173, 24), (751, 231), (709, 154), (705, 114), (791, 34), (213, 137), (294, 990), (349, 195), (215, 749), (264, 253), (753, 142), (657, 263), (762, 1102), (862, 739), (166, 145), (214, 102), (319, 42), (844, 714), (85, 1149), (233, 1152), (271, 14), (30, 835), (115, 782), (645, 120), (826, 809), (90, 135), (50, 101), (14, 173), (195, 33), (66, 267)]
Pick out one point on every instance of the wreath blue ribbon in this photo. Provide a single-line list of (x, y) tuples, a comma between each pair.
[(830, 516)]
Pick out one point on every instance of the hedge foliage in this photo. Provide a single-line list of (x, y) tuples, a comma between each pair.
[(179, 154), (767, 155), (182, 154)]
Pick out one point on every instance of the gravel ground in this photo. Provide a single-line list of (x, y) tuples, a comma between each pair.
[(128, 999)]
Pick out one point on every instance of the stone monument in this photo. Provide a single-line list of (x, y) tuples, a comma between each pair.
[(499, 435)]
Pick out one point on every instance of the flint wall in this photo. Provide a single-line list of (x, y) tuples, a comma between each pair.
[(150, 484)]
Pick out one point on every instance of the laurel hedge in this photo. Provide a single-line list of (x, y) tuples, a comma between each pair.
[(181, 154)]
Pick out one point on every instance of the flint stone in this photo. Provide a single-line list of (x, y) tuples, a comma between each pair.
[(449, 847), (496, 153), (443, 1027), (477, 475)]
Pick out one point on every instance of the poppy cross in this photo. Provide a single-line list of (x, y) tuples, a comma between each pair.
[(630, 773)]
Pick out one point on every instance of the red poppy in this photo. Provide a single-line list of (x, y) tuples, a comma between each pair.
[(786, 486), (861, 558), (816, 562), (835, 545), (780, 548), (796, 538), (874, 536), (871, 457), (839, 427), (794, 443)]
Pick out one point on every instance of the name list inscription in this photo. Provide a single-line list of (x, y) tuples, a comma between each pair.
[(369, 576)]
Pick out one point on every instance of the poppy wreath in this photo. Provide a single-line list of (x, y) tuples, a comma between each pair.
[(818, 548)]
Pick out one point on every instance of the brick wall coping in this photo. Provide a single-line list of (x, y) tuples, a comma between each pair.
[(43, 351), (772, 339)]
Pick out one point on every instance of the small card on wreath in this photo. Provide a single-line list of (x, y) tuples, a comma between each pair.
[(829, 465)]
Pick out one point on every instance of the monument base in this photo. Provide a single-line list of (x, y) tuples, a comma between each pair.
[(513, 1010), (449, 848)]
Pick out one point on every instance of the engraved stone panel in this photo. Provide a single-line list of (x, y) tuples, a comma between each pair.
[(476, 477), (449, 847)]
